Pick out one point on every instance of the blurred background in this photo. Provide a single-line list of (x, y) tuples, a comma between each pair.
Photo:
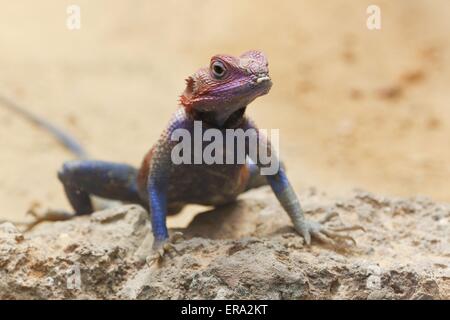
[(355, 108)]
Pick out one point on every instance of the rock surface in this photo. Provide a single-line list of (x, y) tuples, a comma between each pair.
[(243, 251)]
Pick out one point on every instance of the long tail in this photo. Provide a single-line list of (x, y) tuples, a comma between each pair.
[(65, 139)]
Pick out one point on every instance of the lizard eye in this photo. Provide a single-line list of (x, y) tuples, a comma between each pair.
[(218, 69)]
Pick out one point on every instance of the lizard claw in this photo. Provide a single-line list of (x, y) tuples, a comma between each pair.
[(51, 215), (161, 248), (328, 235)]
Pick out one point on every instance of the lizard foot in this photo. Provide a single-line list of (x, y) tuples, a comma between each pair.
[(161, 248), (49, 215), (328, 235)]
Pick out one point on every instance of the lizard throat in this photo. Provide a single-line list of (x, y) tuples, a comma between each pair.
[(213, 119)]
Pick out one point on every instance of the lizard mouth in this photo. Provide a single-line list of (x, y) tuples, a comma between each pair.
[(262, 79), (263, 82)]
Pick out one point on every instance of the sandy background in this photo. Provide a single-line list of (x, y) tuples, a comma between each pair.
[(355, 108)]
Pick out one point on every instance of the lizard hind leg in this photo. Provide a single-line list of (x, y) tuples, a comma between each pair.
[(82, 179)]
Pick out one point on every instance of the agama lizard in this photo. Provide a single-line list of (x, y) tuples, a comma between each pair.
[(218, 96)]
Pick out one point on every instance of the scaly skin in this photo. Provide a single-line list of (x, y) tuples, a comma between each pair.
[(219, 102), (218, 96)]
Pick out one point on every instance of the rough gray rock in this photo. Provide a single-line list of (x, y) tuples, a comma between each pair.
[(243, 251)]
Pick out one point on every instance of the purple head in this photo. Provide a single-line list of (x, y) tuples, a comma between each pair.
[(228, 84)]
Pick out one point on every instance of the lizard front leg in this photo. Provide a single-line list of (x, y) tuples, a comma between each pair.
[(157, 196), (306, 228), (157, 188), (289, 201)]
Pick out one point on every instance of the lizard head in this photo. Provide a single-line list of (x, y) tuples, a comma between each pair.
[(227, 85)]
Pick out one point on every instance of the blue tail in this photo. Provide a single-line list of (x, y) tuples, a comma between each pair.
[(65, 139)]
